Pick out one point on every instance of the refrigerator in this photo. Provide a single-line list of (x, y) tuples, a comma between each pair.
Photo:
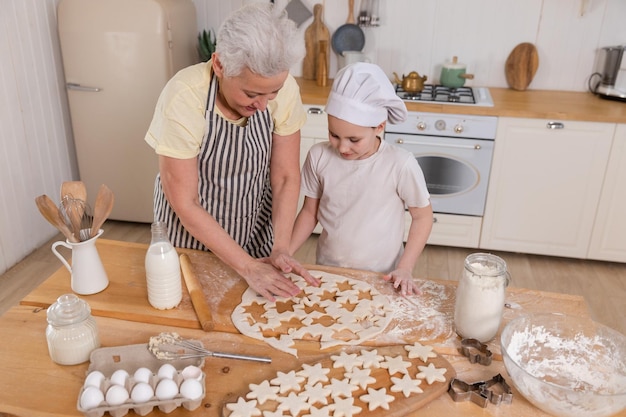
[(117, 57)]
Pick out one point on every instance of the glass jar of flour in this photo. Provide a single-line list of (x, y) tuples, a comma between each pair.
[(480, 297), (72, 332)]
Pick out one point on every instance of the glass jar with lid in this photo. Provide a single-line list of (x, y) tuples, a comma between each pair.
[(72, 333), (480, 297)]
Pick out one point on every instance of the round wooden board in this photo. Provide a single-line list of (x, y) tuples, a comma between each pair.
[(521, 66), (400, 405)]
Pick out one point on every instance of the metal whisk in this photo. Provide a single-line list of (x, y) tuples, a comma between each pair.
[(77, 215), (170, 346)]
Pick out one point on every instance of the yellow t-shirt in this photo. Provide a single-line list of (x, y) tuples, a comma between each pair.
[(178, 125)]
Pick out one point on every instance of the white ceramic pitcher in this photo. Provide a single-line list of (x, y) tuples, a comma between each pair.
[(87, 271)]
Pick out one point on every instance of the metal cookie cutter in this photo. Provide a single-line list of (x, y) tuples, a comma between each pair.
[(495, 390), (476, 351), (462, 391)]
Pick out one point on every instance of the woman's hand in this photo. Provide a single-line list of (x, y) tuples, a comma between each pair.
[(268, 281), (287, 264), (403, 282)]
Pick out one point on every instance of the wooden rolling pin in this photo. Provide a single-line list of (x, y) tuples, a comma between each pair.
[(196, 294)]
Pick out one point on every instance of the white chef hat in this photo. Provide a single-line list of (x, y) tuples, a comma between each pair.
[(363, 95)]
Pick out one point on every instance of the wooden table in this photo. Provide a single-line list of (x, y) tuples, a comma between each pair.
[(31, 385)]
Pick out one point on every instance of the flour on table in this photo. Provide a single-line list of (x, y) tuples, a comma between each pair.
[(341, 311)]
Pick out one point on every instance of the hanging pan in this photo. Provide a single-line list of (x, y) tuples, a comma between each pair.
[(348, 37)]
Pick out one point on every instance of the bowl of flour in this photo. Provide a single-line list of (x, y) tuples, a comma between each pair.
[(566, 365)]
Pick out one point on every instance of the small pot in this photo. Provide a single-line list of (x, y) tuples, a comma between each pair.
[(453, 74)]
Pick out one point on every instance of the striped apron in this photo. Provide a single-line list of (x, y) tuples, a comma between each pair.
[(234, 185)]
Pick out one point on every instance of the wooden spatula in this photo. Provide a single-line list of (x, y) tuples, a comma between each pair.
[(102, 208), (50, 212)]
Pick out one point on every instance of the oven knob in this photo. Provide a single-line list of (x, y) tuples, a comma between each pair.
[(440, 125), (421, 126), (458, 129)]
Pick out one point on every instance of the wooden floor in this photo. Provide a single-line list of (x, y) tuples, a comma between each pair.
[(603, 284)]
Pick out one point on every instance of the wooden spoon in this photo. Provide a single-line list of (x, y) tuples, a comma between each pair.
[(50, 212), (102, 208), (74, 189)]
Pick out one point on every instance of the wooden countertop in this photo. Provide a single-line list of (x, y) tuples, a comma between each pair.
[(31, 385), (536, 104)]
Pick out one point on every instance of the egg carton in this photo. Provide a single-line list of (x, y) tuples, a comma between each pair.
[(129, 358)]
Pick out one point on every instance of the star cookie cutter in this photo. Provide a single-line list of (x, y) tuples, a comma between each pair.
[(476, 351), (495, 391)]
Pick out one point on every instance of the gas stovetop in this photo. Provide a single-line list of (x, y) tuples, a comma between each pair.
[(467, 96)]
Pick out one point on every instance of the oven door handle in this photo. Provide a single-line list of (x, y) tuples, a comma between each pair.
[(442, 145)]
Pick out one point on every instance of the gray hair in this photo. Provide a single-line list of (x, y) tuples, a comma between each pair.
[(260, 37)]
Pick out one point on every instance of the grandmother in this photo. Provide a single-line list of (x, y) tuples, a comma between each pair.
[(227, 134)]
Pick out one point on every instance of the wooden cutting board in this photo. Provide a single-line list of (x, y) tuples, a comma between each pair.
[(398, 407), (315, 33), (521, 66)]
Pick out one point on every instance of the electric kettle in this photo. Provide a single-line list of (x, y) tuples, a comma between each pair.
[(611, 72)]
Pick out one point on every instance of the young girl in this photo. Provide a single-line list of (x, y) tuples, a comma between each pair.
[(357, 186)]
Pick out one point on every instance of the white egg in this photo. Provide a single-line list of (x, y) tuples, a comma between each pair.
[(191, 372), (116, 395), (94, 379), (141, 392), (166, 389), (166, 371), (142, 375), (91, 397), (119, 377), (191, 389)]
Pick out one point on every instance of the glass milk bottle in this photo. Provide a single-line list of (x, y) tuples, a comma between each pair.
[(72, 332), (162, 270), (480, 297)]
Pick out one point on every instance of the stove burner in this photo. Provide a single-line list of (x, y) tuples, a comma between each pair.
[(439, 93)]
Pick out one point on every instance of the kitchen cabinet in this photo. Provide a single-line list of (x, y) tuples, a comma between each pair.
[(608, 240), (545, 184)]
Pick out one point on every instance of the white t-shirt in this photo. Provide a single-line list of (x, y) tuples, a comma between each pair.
[(362, 204)]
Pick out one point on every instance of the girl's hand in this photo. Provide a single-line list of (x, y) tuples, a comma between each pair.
[(402, 280)]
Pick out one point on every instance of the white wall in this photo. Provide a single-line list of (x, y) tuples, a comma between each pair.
[(36, 144)]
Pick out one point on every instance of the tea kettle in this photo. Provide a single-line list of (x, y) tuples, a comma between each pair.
[(411, 83)]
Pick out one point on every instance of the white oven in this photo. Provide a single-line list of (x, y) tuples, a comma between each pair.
[(455, 153)]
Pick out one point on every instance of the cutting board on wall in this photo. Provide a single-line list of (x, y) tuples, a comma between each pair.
[(315, 33), (521, 66)]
